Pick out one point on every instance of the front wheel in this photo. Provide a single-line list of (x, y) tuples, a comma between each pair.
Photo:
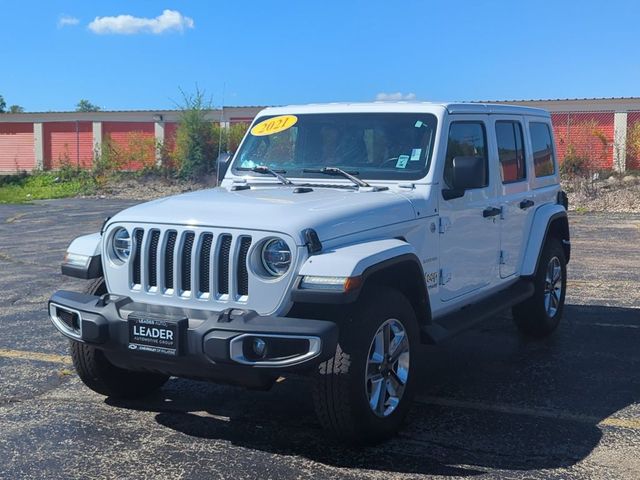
[(363, 394), (101, 376), (539, 315)]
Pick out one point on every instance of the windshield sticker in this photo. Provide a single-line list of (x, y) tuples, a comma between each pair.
[(274, 125), (402, 161), (247, 164), (415, 154), (418, 124)]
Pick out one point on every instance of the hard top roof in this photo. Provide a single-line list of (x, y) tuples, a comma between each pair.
[(409, 107)]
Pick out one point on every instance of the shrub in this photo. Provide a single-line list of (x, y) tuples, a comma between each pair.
[(236, 133), (196, 142), (109, 160), (139, 153), (573, 166)]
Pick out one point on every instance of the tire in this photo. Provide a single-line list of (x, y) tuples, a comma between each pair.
[(341, 391), (101, 376), (539, 315)]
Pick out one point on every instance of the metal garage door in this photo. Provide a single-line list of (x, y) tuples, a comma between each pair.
[(16, 147), (68, 142)]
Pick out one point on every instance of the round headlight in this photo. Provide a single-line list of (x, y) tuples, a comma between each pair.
[(276, 257), (121, 244)]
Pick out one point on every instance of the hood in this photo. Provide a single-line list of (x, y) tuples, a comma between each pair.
[(330, 212)]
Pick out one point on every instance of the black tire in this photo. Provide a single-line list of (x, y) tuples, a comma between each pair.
[(101, 376), (533, 317), (340, 389)]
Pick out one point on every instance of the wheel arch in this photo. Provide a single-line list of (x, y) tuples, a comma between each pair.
[(404, 274), (389, 263), (550, 221)]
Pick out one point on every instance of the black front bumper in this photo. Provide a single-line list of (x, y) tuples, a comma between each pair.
[(210, 345)]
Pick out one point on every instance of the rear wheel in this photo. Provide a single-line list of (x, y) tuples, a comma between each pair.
[(539, 315), (101, 376), (363, 393)]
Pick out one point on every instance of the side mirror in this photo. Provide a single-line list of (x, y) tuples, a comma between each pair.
[(467, 173), (222, 165)]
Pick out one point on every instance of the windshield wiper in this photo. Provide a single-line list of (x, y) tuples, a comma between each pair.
[(268, 171), (338, 172)]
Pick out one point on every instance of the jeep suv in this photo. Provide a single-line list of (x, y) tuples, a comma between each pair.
[(340, 238)]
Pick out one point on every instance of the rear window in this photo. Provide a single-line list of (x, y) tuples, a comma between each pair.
[(542, 149), (511, 151)]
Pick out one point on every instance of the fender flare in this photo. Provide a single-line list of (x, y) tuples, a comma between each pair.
[(544, 219), (365, 260), (87, 247)]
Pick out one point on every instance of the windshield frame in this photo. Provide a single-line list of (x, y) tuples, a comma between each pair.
[(386, 175)]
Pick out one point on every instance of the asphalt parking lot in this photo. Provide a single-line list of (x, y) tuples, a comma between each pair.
[(493, 405)]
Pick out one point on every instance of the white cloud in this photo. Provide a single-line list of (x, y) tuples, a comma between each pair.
[(170, 20), (394, 97), (67, 21)]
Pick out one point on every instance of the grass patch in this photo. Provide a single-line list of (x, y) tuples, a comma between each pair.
[(25, 187)]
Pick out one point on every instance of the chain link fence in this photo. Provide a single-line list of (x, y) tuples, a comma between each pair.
[(633, 141), (588, 136)]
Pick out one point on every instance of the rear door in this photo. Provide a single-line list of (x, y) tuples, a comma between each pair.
[(516, 199), (544, 177)]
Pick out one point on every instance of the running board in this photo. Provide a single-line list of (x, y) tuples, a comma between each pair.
[(453, 323)]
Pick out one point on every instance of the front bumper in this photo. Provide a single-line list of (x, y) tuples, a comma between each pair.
[(213, 345)]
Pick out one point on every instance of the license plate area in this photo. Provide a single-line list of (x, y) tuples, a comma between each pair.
[(157, 334)]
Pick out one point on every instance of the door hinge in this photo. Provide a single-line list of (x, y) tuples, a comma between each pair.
[(445, 276), (444, 224)]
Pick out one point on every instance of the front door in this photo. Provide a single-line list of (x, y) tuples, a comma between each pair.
[(469, 227)]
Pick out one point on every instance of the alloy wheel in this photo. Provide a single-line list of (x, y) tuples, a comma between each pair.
[(387, 369), (553, 287)]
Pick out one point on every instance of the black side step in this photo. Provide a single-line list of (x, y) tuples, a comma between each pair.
[(453, 323)]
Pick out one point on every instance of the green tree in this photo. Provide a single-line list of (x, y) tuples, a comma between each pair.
[(196, 142), (86, 106), (3, 104), (16, 109)]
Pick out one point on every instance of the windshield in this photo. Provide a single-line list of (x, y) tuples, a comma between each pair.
[(374, 146)]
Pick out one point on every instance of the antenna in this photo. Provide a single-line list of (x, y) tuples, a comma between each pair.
[(224, 87)]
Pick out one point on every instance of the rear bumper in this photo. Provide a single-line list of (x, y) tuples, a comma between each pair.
[(214, 345)]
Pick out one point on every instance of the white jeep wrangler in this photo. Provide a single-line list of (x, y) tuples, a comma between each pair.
[(341, 237)]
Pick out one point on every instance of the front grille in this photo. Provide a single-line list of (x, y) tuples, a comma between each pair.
[(243, 273), (181, 263), (168, 259), (152, 271), (137, 256), (205, 262), (185, 266), (223, 265)]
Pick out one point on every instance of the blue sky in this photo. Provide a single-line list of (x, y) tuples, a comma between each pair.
[(279, 52)]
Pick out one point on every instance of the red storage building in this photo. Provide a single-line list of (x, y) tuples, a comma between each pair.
[(596, 129)]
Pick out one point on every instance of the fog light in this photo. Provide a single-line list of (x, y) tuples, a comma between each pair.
[(259, 347)]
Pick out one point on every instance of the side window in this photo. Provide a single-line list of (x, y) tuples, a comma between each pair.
[(466, 139), (511, 151), (542, 149)]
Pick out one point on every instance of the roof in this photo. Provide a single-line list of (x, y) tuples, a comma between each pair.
[(410, 107), (227, 114), (169, 110), (561, 99)]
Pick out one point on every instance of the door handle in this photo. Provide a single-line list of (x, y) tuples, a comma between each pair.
[(526, 203), (491, 212)]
